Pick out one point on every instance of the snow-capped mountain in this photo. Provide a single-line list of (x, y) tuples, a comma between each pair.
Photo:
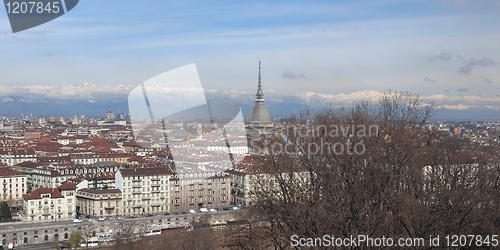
[(97, 100)]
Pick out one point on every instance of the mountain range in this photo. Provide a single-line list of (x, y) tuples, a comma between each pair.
[(93, 100)]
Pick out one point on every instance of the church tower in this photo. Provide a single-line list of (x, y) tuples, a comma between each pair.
[(259, 121)]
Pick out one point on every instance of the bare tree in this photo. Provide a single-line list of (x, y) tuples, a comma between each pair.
[(374, 169)]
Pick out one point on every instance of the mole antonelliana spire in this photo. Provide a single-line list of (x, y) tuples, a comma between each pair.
[(259, 94), (259, 120)]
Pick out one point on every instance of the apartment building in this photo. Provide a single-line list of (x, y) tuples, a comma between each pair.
[(99, 202), (250, 175), (50, 203), (13, 156), (49, 175), (144, 190), (193, 191), (244, 176), (13, 186)]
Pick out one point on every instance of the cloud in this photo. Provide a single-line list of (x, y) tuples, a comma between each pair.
[(443, 56), (483, 62), (427, 79), (455, 102), (88, 91), (290, 74), (487, 81), (83, 91)]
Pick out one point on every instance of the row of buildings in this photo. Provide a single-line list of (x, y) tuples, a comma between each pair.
[(132, 191)]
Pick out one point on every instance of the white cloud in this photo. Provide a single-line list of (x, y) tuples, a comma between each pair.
[(87, 91)]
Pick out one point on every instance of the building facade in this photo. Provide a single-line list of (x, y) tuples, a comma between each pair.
[(144, 190), (13, 186), (99, 202), (50, 203), (194, 193)]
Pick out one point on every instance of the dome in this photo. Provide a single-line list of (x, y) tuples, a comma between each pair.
[(259, 114)]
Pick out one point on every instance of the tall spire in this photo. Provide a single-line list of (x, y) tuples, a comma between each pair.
[(259, 95)]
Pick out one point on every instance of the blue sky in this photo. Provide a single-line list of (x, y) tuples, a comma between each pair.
[(440, 48)]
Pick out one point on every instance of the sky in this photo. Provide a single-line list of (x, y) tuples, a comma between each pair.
[(445, 50)]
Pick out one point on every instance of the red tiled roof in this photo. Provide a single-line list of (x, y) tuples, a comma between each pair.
[(67, 186), (36, 194), (9, 172), (130, 144)]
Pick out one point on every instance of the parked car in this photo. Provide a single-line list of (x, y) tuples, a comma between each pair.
[(192, 211), (102, 218), (203, 209), (214, 209), (77, 220)]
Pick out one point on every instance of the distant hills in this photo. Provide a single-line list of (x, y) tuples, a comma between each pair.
[(93, 100)]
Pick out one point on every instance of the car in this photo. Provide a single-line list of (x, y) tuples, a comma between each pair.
[(192, 211), (226, 208), (120, 217), (236, 208), (214, 209), (167, 214), (183, 213), (102, 218), (77, 220), (203, 209)]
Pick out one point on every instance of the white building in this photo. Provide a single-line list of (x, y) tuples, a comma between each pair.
[(144, 190), (250, 176), (50, 203), (99, 202), (13, 186), (12, 156)]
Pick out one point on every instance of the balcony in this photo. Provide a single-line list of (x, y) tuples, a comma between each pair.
[(146, 198), (109, 208), (136, 192), (155, 179), (155, 191), (136, 185), (155, 185), (136, 206), (136, 180)]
